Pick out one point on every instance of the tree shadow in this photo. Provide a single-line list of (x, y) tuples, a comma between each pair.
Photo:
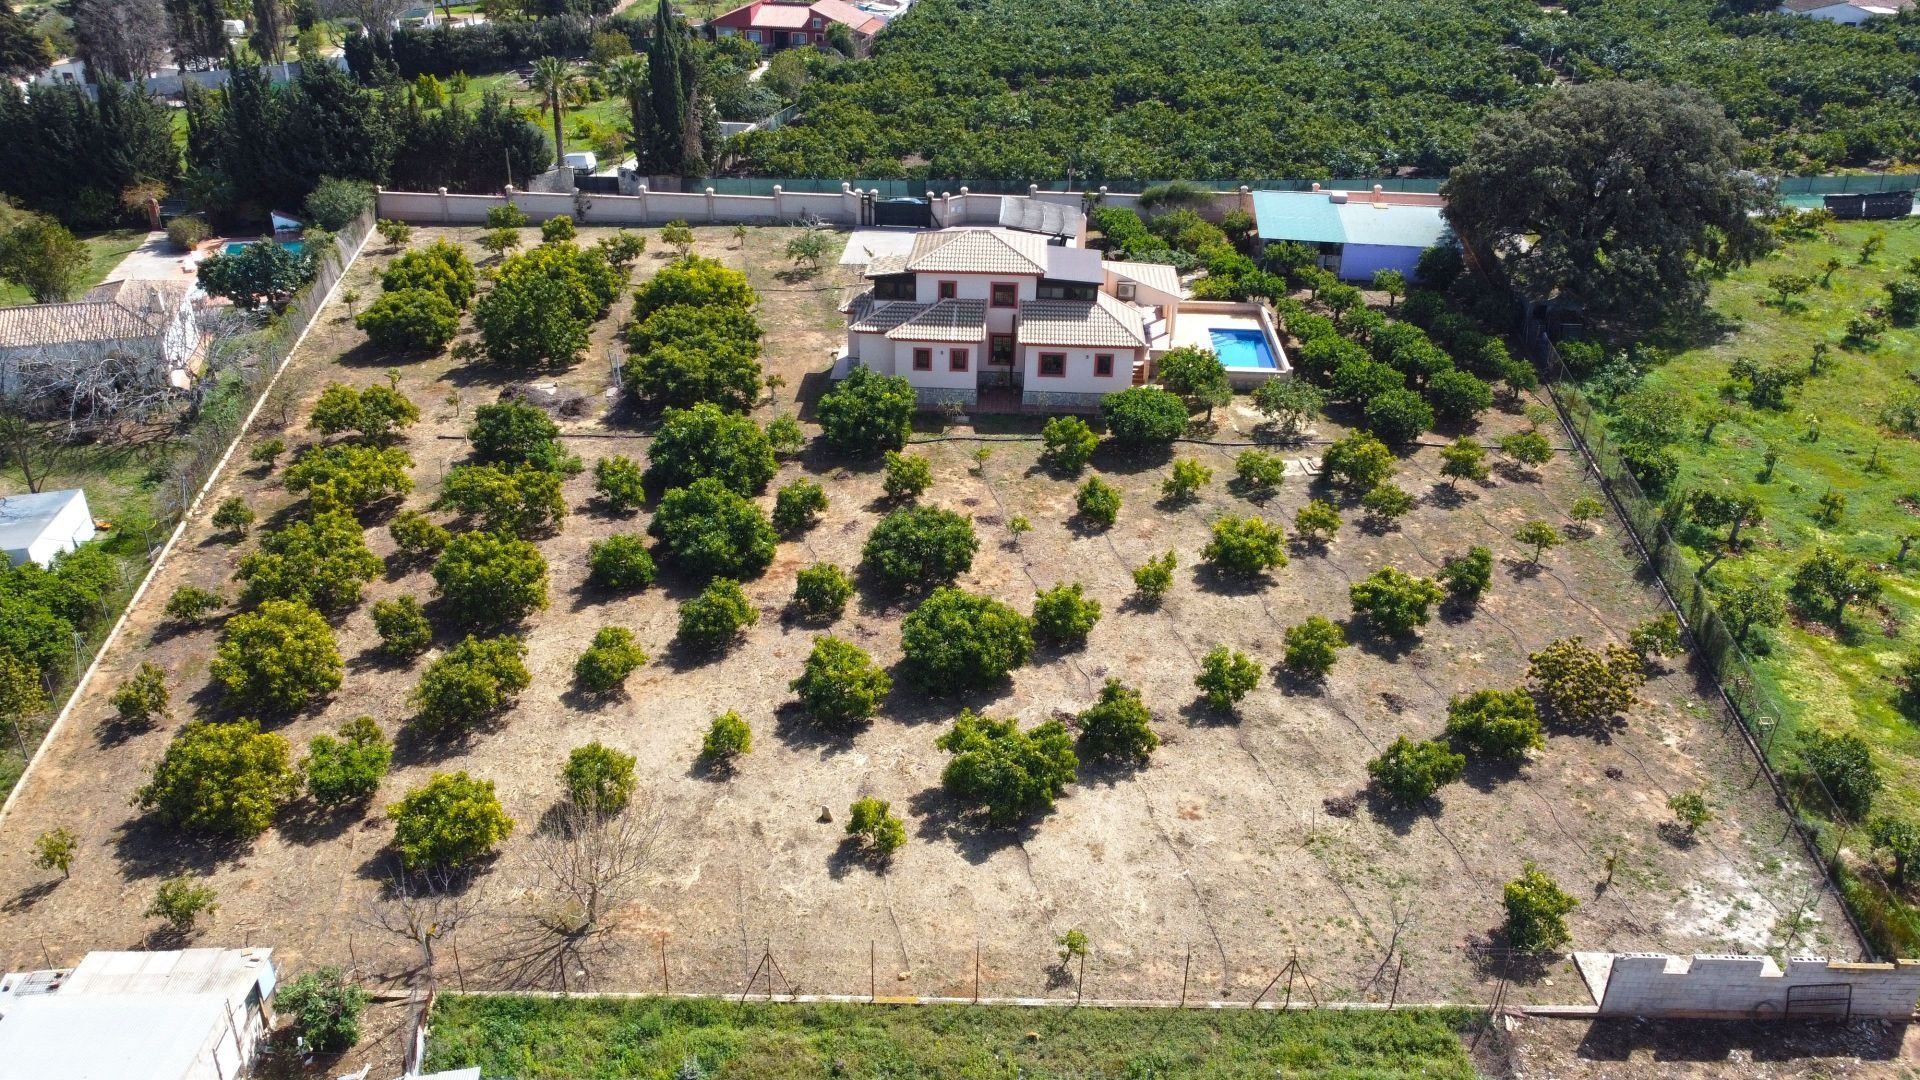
[(1678, 835), (851, 854), (1448, 497), (1522, 569), (1493, 958), (1213, 579), (1393, 813), (1298, 683), (798, 729), (24, 900), (147, 847), (308, 823), (112, 731), (1109, 457), (940, 818), (1108, 771), (1484, 774), (1199, 713)]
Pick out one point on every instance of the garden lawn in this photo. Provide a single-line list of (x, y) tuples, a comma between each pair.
[(531, 1037), (601, 126), (106, 249), (1842, 681)]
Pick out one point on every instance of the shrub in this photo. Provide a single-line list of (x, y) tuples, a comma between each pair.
[(411, 320), (785, 436), (1581, 686), (518, 500), (798, 505), (506, 216), (1467, 576), (695, 281), (1399, 415), (705, 442), (55, 849), (350, 477), (1153, 578), (416, 536), (440, 267), (619, 563), (278, 657), (1537, 910), (142, 697), (181, 902), (1393, 601), (1317, 522), (543, 303), (267, 451), (1527, 447), (1142, 417), (1068, 443), (1357, 463), (1259, 474), (1098, 502), (714, 618), (622, 248), (1410, 772), (1831, 580), (1288, 404), (918, 547), (907, 475), (1538, 535), (191, 604), (1012, 773), (186, 233), (1313, 646), (957, 641), (475, 681), (873, 825), (1463, 459), (1458, 396), (403, 627), (1500, 724), (1386, 503), (515, 433), (867, 413), (620, 483), (448, 822), (599, 779), (1842, 765), (1064, 615), (606, 663), (821, 592), (1245, 546), (1226, 676), (1691, 810), (1901, 839), (685, 355), (1585, 510), (489, 580), (708, 529), (227, 778), (1186, 480), (556, 229), (233, 515), (348, 768), (840, 685), (727, 738), (324, 1005), (1196, 375), (1656, 637), (1117, 727)]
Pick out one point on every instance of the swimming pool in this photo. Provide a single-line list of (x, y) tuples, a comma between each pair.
[(234, 247), (1242, 349)]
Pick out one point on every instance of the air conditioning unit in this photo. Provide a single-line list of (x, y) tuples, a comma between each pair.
[(1125, 290)]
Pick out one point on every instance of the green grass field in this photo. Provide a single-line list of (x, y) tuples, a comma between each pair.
[(600, 126), (529, 1037), (106, 248)]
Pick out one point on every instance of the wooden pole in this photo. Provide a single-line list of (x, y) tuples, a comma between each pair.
[(665, 986), (1080, 984), (1185, 970), (1394, 997), (976, 971), (458, 972), (873, 978)]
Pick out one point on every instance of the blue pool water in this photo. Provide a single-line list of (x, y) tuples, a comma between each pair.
[(1242, 348), (294, 246)]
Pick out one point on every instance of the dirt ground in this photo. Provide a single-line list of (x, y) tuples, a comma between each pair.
[(1218, 862), (1537, 1049)]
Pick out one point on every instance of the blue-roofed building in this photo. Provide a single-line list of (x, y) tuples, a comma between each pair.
[(1355, 232)]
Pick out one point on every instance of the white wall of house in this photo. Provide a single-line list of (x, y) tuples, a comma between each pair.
[(940, 375), (874, 350), (1167, 303), (1079, 377), (1845, 14), (1000, 320)]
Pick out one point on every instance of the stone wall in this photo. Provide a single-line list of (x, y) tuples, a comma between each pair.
[(1748, 987)]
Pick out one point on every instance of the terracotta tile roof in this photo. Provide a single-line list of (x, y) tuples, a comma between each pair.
[(122, 310), (882, 316), (1103, 322), (1158, 276), (854, 302), (947, 320), (978, 251), (884, 265)]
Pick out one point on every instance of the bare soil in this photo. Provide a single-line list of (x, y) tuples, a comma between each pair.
[(1703, 1050), (1209, 869)]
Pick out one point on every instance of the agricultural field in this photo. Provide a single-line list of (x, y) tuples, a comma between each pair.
[(1136, 90), (1249, 840), (1831, 460)]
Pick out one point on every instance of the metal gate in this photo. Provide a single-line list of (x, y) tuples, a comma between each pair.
[(1820, 1001), (899, 213)]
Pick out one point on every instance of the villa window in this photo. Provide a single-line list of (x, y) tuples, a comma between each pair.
[(753, 36), (1103, 365), (1005, 294), (893, 287), (957, 360), (1066, 290), (949, 290), (923, 359), (1053, 365)]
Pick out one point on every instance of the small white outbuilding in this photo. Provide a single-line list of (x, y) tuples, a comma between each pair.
[(42, 525)]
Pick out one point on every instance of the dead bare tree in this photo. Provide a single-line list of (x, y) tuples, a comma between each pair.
[(423, 908)]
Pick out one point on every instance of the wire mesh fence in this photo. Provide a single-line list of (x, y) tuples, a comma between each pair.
[(1886, 921)]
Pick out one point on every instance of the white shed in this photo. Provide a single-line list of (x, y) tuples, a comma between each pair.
[(42, 525)]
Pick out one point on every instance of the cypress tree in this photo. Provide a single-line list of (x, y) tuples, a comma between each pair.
[(666, 143)]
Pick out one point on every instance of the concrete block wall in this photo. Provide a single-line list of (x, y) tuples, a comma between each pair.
[(643, 208), (1750, 987)]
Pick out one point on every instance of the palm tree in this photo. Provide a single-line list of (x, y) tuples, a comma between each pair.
[(629, 77), (554, 80)]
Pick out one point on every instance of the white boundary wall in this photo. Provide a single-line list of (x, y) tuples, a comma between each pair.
[(1742, 987), (708, 208)]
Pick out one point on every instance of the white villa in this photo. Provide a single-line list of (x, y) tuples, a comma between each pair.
[(1004, 319)]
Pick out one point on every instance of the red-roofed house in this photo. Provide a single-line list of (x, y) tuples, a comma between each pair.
[(785, 24)]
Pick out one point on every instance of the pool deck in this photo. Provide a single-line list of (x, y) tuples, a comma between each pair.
[(1196, 321)]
